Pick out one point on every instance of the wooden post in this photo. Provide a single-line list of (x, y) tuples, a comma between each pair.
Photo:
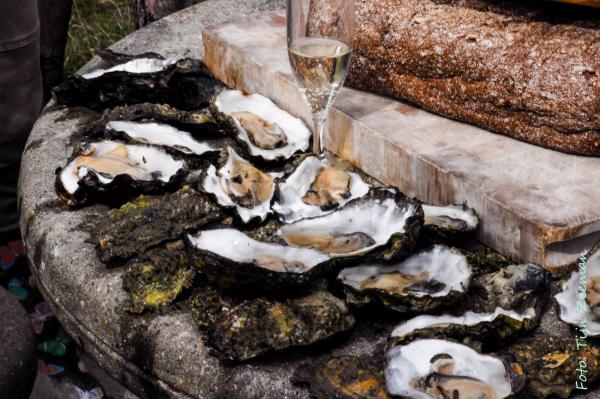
[(54, 26), (146, 11)]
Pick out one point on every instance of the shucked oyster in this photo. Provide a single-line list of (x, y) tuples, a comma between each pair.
[(494, 327), (229, 258), (383, 224), (110, 167), (241, 185), (452, 218), (442, 369), (316, 188), (184, 83), (420, 283), (579, 299), (343, 377), (151, 221), (268, 132), (257, 326), (555, 366)]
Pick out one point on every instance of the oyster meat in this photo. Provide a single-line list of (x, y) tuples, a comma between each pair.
[(442, 369), (241, 185), (230, 258), (161, 135), (255, 327), (552, 363), (182, 82), (155, 280), (343, 377), (383, 224), (108, 166), (494, 327), (148, 222), (451, 218), (422, 282), (316, 188), (265, 130), (579, 298)]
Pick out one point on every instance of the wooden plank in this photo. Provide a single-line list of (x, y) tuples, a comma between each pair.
[(536, 205)]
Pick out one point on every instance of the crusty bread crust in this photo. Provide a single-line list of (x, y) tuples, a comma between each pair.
[(530, 72)]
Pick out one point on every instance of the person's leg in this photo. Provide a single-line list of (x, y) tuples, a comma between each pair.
[(20, 102)]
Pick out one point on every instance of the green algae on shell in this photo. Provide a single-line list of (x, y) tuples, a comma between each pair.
[(148, 222), (153, 281), (343, 377), (258, 326)]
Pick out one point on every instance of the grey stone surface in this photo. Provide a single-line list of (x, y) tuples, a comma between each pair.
[(156, 355), (18, 354)]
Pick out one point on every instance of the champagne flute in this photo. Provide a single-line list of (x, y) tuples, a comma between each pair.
[(320, 36)]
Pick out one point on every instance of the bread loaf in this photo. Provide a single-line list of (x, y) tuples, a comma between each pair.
[(528, 70)]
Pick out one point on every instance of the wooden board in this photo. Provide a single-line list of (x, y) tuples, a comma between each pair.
[(536, 205)]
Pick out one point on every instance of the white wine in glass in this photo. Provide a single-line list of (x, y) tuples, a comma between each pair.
[(320, 55)]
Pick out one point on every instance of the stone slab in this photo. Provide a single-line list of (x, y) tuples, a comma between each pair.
[(531, 200)]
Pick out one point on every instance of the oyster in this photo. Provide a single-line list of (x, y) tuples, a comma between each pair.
[(383, 224), (110, 167), (148, 222), (452, 218), (209, 304), (343, 377), (230, 258), (316, 188), (258, 326), (241, 185), (515, 287), (441, 369), (579, 298), (421, 283), (156, 280), (496, 326), (184, 83), (553, 365), (265, 130)]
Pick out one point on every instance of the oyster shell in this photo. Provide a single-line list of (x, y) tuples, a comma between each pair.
[(110, 167), (383, 224), (184, 83), (265, 130), (258, 326), (551, 364), (422, 282), (343, 377), (316, 188), (155, 280), (496, 326), (230, 258), (148, 222), (241, 185), (515, 287), (579, 298), (441, 369), (450, 218)]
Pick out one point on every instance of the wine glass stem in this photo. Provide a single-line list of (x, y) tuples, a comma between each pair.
[(319, 122)]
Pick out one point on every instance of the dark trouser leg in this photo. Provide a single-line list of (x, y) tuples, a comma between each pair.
[(20, 102)]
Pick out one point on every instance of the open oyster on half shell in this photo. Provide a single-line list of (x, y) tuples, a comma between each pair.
[(265, 130), (123, 79), (422, 282), (241, 185), (315, 188), (384, 224), (229, 258), (579, 298), (443, 369), (257, 326), (110, 167)]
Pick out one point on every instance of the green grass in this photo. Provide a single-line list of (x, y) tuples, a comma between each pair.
[(95, 24)]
